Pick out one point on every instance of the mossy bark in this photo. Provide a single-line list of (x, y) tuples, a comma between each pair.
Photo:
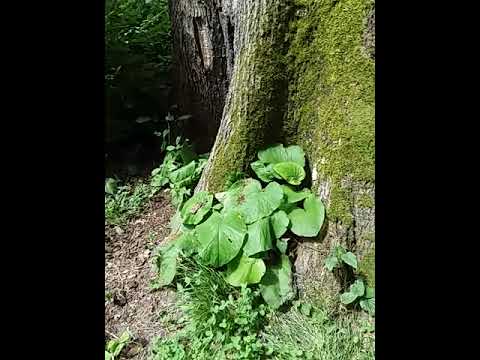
[(302, 75)]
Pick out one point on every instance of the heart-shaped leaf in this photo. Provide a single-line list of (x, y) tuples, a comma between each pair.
[(221, 237), (308, 221), (244, 270), (264, 172), (251, 201), (194, 210), (290, 171), (260, 237), (182, 176), (276, 286), (358, 288), (347, 297), (295, 196), (277, 153), (350, 259), (280, 222)]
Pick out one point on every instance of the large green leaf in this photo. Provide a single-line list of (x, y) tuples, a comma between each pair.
[(187, 242), (290, 171), (221, 237), (247, 197), (280, 222), (276, 286), (183, 175), (194, 210), (277, 153), (238, 192), (293, 196), (166, 265), (264, 172), (260, 237), (308, 221), (244, 270)]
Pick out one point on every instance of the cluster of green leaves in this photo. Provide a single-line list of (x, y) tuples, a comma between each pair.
[(115, 346), (222, 321), (180, 170), (357, 292), (241, 231)]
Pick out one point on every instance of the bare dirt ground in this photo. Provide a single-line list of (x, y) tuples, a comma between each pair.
[(129, 302)]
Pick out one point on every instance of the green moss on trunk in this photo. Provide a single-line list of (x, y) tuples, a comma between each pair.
[(332, 96), (258, 98)]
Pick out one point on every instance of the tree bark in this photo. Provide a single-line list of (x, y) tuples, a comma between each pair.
[(203, 60), (302, 75)]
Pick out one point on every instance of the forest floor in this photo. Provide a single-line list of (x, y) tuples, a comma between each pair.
[(129, 302)]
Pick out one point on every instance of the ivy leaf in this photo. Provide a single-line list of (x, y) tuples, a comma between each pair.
[(295, 196), (290, 171), (277, 153), (368, 305), (194, 210), (220, 238), (350, 259), (244, 270), (264, 172), (276, 286), (308, 221), (260, 237), (331, 262), (280, 222)]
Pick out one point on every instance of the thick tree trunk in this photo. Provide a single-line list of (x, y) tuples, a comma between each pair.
[(304, 74), (203, 60)]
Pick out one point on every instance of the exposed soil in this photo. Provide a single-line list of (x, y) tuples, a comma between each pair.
[(129, 302)]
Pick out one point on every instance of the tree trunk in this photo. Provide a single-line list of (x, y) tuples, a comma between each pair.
[(203, 59), (304, 74)]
